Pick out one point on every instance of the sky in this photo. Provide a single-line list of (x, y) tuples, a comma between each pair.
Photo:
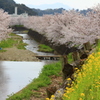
[(76, 4)]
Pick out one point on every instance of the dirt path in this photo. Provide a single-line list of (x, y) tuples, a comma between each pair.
[(14, 54)]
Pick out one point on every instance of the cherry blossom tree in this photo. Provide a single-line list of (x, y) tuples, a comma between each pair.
[(18, 20), (69, 28), (4, 24)]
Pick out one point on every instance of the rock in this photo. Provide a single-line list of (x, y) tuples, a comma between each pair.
[(58, 94), (50, 91)]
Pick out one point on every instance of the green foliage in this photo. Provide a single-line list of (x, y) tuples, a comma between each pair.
[(45, 48), (21, 45), (7, 43), (19, 26), (70, 59), (15, 40), (12, 34), (42, 81), (48, 11)]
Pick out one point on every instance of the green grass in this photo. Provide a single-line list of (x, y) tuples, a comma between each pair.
[(14, 40), (7, 43), (42, 81), (70, 58), (45, 48)]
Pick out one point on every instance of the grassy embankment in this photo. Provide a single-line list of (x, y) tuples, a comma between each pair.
[(87, 83), (13, 40)]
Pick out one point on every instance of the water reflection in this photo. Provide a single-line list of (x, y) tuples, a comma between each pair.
[(16, 75), (3, 80)]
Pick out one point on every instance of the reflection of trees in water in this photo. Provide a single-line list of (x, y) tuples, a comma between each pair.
[(2, 74), (3, 82)]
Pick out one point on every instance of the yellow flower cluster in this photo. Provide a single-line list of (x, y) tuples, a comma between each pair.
[(87, 84), (52, 98)]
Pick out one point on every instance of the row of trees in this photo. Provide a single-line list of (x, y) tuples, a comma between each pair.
[(70, 28), (4, 24)]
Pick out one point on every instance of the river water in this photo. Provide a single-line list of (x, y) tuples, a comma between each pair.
[(15, 75), (32, 45)]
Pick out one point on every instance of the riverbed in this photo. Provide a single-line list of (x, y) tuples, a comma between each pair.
[(15, 75)]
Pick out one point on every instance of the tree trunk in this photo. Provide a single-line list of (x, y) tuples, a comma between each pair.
[(87, 46), (67, 68), (76, 56)]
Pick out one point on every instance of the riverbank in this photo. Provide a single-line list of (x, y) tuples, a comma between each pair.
[(15, 54), (13, 49), (50, 77)]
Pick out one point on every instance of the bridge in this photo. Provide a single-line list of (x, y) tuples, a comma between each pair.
[(48, 57)]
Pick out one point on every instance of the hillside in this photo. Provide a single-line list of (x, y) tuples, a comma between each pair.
[(48, 11), (58, 10), (9, 6)]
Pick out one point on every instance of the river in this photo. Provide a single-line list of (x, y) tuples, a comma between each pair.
[(15, 75)]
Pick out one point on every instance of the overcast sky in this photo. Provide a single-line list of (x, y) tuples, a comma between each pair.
[(76, 4)]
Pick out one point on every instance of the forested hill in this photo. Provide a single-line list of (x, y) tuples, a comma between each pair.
[(48, 11), (9, 6), (59, 10)]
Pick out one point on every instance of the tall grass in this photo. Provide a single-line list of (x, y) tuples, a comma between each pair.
[(42, 81)]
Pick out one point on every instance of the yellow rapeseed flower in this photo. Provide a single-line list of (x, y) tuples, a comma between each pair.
[(99, 53), (52, 96), (82, 94), (47, 99), (80, 99), (68, 78)]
